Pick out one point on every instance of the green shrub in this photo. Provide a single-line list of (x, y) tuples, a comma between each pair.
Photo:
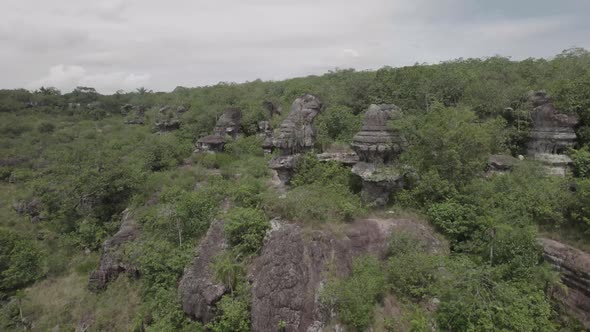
[(46, 127), (354, 297), (414, 274), (249, 145), (456, 220), (21, 262), (581, 162), (245, 229)]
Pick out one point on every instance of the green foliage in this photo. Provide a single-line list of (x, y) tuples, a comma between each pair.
[(233, 312), (249, 145), (413, 274), (581, 162), (245, 229), (580, 207), (458, 221), (354, 297), (310, 170), (337, 124), (228, 269), (21, 262)]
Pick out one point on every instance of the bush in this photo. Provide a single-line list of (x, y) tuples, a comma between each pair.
[(456, 220), (354, 297), (245, 229), (234, 315), (46, 127), (21, 262), (414, 274), (581, 162)]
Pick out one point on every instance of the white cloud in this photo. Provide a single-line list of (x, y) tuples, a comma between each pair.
[(121, 43)]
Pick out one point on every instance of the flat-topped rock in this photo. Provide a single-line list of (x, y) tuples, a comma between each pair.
[(230, 123)]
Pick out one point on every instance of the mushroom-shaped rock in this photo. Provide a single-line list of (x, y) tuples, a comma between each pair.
[(376, 142), (211, 143)]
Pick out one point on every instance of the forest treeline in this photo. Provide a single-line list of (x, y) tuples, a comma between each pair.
[(69, 167)]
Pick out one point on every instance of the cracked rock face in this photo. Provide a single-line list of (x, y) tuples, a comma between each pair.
[(291, 270), (199, 291), (112, 261), (552, 134), (297, 133), (376, 142), (574, 266)]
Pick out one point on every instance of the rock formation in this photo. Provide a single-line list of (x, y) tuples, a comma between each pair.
[(288, 276), (574, 266), (229, 124), (500, 163), (378, 149), (31, 208), (135, 114), (296, 135), (167, 119), (552, 134), (112, 261), (199, 291)]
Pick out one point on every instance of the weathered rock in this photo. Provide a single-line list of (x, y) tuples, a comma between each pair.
[(297, 133), (31, 208), (272, 108), (135, 114), (500, 163), (288, 276), (199, 291), (552, 134), (230, 123), (211, 143), (379, 181), (376, 142), (284, 166), (574, 266), (112, 261), (181, 109), (168, 124), (164, 108), (345, 158)]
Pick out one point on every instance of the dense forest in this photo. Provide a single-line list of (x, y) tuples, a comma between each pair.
[(73, 165)]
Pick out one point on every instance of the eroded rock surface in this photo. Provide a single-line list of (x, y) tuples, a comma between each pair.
[(297, 133), (112, 260), (574, 266), (199, 291), (376, 142), (552, 134), (378, 148), (288, 276), (229, 124)]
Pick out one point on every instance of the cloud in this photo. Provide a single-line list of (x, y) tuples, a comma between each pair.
[(116, 44), (68, 77)]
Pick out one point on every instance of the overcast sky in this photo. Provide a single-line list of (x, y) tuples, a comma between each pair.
[(125, 44)]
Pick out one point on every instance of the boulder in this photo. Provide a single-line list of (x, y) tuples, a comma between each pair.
[(288, 276), (284, 166), (551, 135), (297, 133), (344, 158), (376, 142), (112, 260), (574, 267), (199, 291), (211, 143), (230, 123)]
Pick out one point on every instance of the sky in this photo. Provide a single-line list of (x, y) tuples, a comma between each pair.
[(125, 44)]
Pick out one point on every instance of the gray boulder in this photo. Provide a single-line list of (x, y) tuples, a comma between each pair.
[(376, 142), (113, 260), (199, 291), (297, 133)]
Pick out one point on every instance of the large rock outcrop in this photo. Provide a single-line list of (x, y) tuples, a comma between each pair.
[(574, 266), (228, 125), (296, 136), (297, 133), (378, 148), (552, 134), (113, 260), (291, 270), (199, 291)]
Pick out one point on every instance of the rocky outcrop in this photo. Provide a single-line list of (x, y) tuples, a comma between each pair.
[(297, 133), (378, 148), (291, 270), (31, 208), (199, 291), (113, 261), (552, 134), (135, 114), (228, 125), (500, 164), (574, 266), (376, 141), (344, 158)]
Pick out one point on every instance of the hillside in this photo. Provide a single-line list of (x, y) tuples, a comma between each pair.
[(435, 197)]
